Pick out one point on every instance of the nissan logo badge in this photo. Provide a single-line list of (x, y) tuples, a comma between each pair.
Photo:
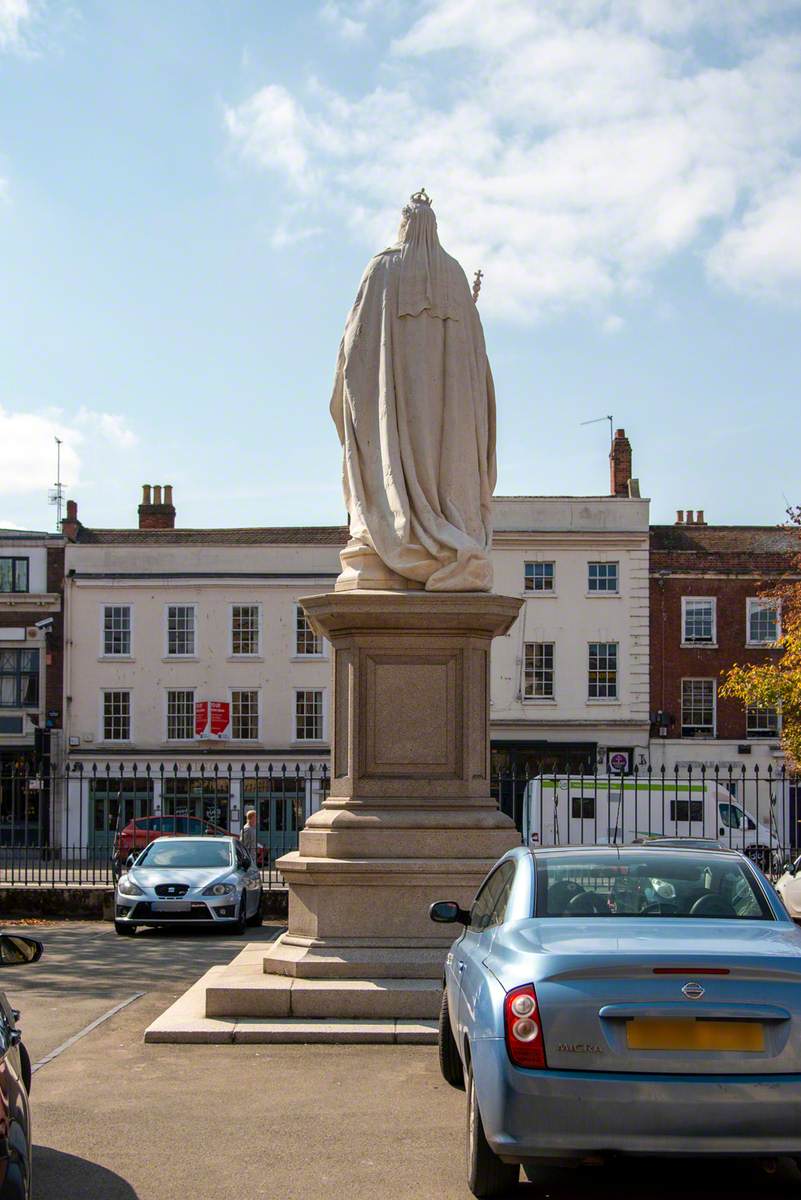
[(693, 991)]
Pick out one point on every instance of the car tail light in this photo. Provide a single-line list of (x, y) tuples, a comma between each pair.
[(521, 1019)]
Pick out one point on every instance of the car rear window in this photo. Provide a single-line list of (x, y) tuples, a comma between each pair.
[(186, 853), (659, 883)]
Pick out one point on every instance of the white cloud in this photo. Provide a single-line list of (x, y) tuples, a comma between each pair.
[(110, 426), (348, 28), (14, 14), (762, 254), (283, 237), (28, 449), (571, 147), (612, 324)]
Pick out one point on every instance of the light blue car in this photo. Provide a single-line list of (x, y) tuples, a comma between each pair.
[(635, 999)]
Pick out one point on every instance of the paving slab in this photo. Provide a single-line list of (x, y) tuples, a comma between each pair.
[(335, 1032)]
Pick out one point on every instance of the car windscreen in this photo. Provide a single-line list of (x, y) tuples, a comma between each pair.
[(658, 883), (186, 853)]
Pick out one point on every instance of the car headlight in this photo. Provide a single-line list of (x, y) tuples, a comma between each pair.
[(127, 887), (220, 889)]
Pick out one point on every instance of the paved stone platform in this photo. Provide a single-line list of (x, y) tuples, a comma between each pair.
[(235, 1003)]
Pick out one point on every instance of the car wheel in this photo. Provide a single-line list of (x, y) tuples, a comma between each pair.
[(241, 923), (487, 1175), (258, 915), (16, 1182), (450, 1064), (124, 928)]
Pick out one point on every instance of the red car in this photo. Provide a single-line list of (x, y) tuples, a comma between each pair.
[(143, 830), (15, 1080)]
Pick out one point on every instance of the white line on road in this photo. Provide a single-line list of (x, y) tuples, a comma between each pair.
[(76, 1037)]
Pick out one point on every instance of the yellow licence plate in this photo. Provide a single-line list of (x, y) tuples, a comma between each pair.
[(643, 1033)]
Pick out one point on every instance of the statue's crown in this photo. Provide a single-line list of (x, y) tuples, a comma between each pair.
[(417, 201)]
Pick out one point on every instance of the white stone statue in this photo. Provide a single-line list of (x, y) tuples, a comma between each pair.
[(414, 406)]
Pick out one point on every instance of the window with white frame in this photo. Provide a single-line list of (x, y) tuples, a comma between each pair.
[(538, 672), (309, 715), (761, 721), (698, 708), (602, 680), (180, 630), (180, 714), (698, 620), (244, 629), (116, 630), (308, 644), (539, 576), (762, 622), (602, 578), (116, 716), (245, 715), (13, 574)]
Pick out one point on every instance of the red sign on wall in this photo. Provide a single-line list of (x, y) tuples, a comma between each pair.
[(212, 719), (220, 718)]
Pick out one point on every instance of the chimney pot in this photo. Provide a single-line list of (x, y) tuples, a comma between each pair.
[(620, 464), (157, 513), (679, 516), (699, 517), (689, 518), (70, 524)]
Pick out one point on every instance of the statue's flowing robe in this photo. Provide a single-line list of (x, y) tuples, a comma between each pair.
[(414, 406)]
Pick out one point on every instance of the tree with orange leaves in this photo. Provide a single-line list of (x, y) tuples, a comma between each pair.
[(778, 684)]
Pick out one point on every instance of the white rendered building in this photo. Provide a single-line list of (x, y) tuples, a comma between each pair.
[(160, 621)]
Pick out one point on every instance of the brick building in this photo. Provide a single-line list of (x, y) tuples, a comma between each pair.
[(31, 673), (708, 612)]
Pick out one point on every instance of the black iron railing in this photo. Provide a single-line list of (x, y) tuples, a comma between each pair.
[(81, 826)]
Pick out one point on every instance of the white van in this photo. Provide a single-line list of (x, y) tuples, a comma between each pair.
[(579, 810)]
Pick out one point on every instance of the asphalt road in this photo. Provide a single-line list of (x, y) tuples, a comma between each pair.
[(117, 1120)]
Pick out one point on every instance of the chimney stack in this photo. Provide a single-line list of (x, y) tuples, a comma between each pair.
[(70, 524), (619, 464), (155, 514)]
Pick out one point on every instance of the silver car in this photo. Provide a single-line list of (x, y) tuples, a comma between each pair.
[(636, 999), (190, 880)]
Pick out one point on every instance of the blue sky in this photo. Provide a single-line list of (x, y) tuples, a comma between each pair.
[(190, 192)]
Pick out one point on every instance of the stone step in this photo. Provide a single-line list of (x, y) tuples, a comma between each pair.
[(298, 958), (244, 993)]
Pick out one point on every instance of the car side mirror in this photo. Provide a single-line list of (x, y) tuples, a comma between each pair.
[(448, 912), (129, 862), (789, 868), (15, 949)]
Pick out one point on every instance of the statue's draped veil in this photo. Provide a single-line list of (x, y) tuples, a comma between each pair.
[(414, 406), (424, 265)]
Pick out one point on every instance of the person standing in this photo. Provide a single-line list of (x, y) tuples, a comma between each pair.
[(250, 834)]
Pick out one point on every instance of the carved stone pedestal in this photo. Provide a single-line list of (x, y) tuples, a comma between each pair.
[(409, 819)]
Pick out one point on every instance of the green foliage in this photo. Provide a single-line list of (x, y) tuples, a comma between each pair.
[(777, 684)]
